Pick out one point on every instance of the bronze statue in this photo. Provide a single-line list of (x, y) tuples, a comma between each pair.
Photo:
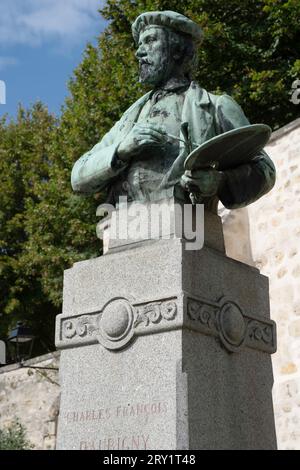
[(143, 155)]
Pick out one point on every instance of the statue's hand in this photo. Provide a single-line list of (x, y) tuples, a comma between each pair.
[(205, 183), (139, 138)]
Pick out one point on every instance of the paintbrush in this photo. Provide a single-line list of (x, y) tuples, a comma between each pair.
[(171, 136)]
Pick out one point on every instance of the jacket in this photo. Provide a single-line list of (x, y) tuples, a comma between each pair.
[(204, 115)]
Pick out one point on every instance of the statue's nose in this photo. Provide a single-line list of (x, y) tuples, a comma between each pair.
[(141, 52)]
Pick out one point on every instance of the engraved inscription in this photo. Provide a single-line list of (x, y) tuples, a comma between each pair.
[(129, 415), (120, 411), (133, 442)]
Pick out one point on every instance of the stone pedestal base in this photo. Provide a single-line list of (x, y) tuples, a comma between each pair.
[(164, 348)]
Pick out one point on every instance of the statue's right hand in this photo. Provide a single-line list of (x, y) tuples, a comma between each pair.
[(139, 138)]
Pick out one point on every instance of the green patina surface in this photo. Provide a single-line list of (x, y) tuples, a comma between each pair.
[(143, 155)]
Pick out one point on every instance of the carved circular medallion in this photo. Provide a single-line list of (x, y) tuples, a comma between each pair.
[(116, 324), (115, 320), (232, 326)]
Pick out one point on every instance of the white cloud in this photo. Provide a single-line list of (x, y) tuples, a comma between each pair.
[(7, 62), (35, 21)]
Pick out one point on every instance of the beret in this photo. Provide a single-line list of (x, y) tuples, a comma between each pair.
[(169, 19)]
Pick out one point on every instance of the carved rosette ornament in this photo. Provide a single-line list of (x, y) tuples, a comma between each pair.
[(121, 320), (234, 328), (116, 324)]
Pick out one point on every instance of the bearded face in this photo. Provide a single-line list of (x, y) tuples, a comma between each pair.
[(156, 63)]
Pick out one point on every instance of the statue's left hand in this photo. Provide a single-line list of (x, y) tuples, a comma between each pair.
[(205, 183)]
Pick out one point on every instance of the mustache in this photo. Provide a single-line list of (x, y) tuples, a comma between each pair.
[(145, 62)]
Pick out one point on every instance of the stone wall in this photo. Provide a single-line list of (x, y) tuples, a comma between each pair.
[(32, 396), (267, 235)]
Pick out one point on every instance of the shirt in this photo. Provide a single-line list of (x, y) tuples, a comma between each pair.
[(163, 109)]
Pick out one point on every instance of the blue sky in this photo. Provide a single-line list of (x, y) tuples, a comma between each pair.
[(41, 42)]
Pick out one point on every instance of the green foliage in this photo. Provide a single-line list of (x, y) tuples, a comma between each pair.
[(250, 50), (24, 168), (14, 437)]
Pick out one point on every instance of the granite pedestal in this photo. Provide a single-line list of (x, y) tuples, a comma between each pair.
[(164, 348)]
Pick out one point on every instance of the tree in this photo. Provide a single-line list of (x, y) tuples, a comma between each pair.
[(24, 167), (251, 49)]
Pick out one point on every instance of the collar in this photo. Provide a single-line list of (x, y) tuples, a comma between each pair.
[(173, 85)]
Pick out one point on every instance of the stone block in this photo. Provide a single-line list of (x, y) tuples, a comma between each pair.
[(164, 348)]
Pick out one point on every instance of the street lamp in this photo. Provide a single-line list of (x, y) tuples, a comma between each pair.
[(2, 353), (22, 339)]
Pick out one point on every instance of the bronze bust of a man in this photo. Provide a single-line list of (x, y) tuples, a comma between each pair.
[(143, 155)]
